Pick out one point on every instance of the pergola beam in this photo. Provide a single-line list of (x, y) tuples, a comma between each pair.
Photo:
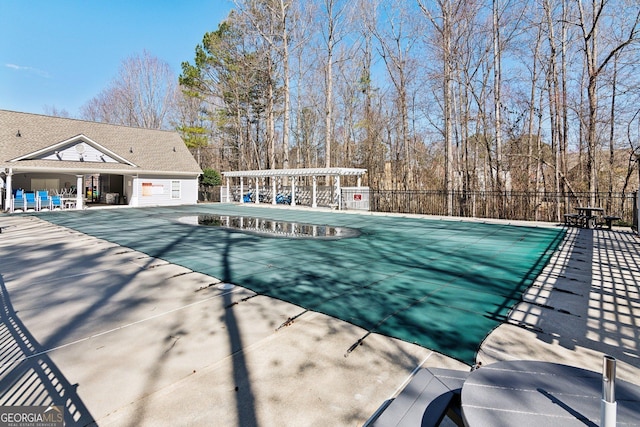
[(273, 173)]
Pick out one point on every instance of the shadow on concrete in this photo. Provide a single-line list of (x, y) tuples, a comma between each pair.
[(589, 296), (28, 376), (245, 399)]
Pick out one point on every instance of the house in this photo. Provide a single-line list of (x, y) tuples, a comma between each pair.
[(88, 162)]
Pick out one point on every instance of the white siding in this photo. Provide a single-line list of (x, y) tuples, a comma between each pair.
[(155, 191), (79, 152)]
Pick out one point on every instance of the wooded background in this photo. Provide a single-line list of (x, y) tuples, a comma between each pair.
[(465, 96)]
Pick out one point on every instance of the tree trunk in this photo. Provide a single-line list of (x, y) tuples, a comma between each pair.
[(497, 83), (612, 134), (328, 90), (448, 119), (287, 97), (444, 31)]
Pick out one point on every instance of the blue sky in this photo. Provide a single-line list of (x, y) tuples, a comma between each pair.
[(62, 53)]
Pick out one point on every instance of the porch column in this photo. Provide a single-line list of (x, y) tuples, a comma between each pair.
[(241, 189), (79, 191), (293, 191), (9, 191), (314, 193), (135, 191), (273, 190)]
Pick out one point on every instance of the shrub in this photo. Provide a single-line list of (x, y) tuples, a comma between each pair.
[(210, 177)]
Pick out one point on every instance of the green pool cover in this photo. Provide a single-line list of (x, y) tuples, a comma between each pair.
[(441, 284)]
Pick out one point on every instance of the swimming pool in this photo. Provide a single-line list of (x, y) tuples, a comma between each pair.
[(270, 227), (442, 284)]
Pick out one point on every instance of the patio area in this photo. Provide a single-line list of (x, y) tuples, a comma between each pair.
[(124, 337)]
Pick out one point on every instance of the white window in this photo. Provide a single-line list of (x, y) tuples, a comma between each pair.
[(175, 189)]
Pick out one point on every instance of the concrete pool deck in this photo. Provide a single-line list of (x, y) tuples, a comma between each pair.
[(134, 340)]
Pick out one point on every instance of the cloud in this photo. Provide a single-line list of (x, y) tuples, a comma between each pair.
[(36, 71)]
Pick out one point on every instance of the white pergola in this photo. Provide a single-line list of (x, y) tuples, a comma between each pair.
[(336, 173)]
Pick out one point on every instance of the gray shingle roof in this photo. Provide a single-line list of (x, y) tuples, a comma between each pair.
[(151, 151)]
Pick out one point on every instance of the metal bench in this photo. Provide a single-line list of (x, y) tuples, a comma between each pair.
[(572, 219), (431, 395), (608, 220)]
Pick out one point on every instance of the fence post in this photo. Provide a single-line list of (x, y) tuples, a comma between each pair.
[(608, 405)]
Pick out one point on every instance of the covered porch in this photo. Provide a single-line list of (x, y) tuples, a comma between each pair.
[(73, 188)]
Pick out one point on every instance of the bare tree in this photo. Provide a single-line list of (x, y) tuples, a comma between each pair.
[(370, 151), (271, 20), (283, 13), (589, 22), (475, 98), (442, 21), (52, 110), (332, 28), (143, 95), (306, 100), (396, 38)]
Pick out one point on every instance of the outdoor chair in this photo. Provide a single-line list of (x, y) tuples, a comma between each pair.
[(43, 199), (18, 201), (30, 201), (55, 202), (281, 199)]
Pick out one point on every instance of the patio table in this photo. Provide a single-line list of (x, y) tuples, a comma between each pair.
[(532, 393), (69, 202), (589, 214)]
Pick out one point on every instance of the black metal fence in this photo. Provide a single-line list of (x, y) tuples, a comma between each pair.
[(208, 193), (549, 207)]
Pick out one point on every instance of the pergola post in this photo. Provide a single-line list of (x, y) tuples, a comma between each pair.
[(273, 190), (257, 201), (241, 189), (337, 195), (314, 194), (293, 191), (229, 199)]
